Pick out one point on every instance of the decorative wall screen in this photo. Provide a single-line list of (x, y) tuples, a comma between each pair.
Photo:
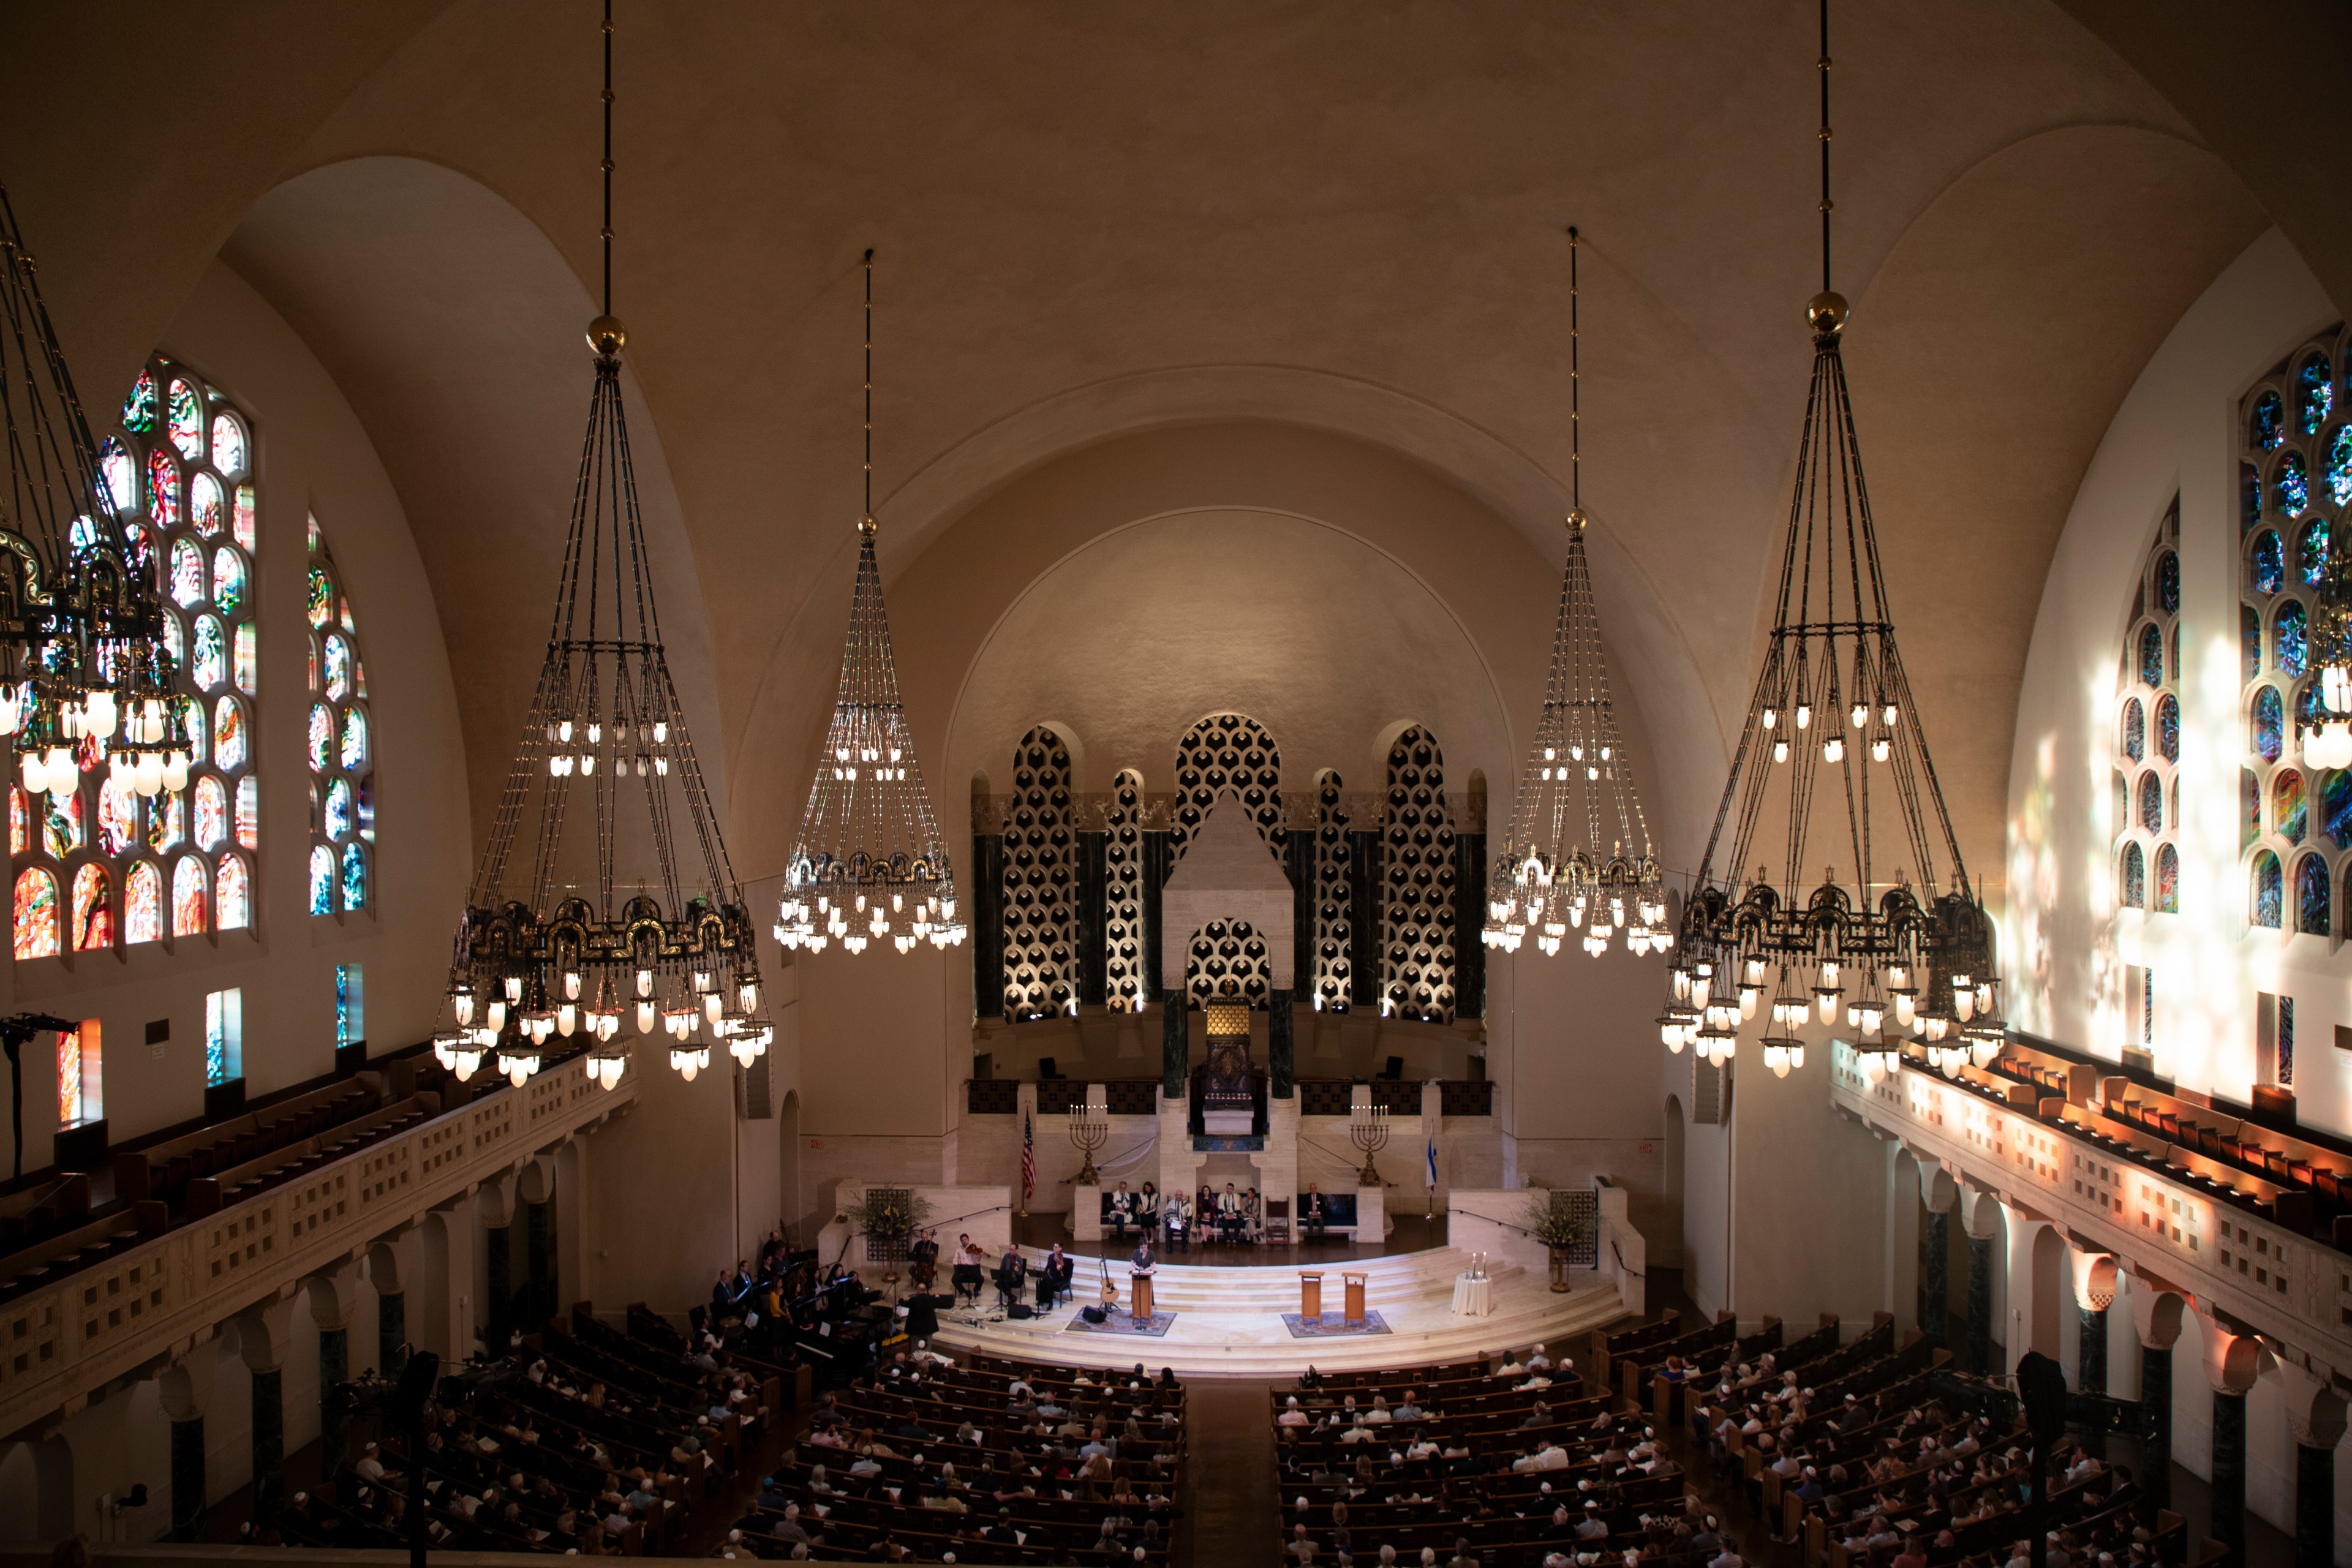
[(2147, 781), (1228, 950), (2295, 482), (1417, 925), (890, 1248), (1586, 1206), (1227, 751), (1334, 928), (1041, 875), (1123, 932)]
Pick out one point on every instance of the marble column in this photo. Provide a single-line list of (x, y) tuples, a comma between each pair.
[(2314, 1417), (186, 1387), (537, 1191), (1175, 1024), (2231, 1362), (261, 1335), (1281, 1051), (498, 1287), (390, 1308), (1469, 919), (986, 897), (1942, 1195), (333, 1296), (2156, 1321), (2092, 1274), (1979, 1213)]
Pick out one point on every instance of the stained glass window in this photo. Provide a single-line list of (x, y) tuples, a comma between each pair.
[(322, 879), (138, 408), (355, 738), (224, 1037), (2287, 638), (2292, 488), (190, 884), (2151, 803), (2269, 426), (206, 507), (228, 734), (248, 813), (2268, 898), (228, 446), (2270, 724), (2311, 553), (2167, 880), (355, 877), (2168, 727), (36, 913), (93, 910), (247, 662), (117, 815), (162, 488), (2340, 467), (167, 827), (2132, 877), (339, 669), (232, 892), (61, 831), (321, 736), (187, 426), (2315, 393), (322, 597), (2151, 655), (351, 1006), (2135, 729), (2250, 498), (212, 813), (339, 810), (187, 573), (2310, 895), (81, 1095), (142, 903), (2250, 807), (209, 663), (2270, 563), (19, 830), (2287, 805), (242, 523), (2250, 636), (228, 580)]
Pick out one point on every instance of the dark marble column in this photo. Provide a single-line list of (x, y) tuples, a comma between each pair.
[(1174, 1042), (986, 896), (1094, 863), (188, 1478), (392, 1333), (1158, 861), (2091, 1365), (2156, 1448), (538, 1264), (334, 1418), (2230, 1473), (1469, 920), (268, 1443), (1280, 1052), (1980, 1304), (1364, 917), (2315, 1506), (1935, 1280), (498, 1285)]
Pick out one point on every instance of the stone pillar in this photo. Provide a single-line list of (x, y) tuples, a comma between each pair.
[(1900, 1288), (333, 1296), (2156, 1319), (538, 1194), (1175, 1024), (449, 1302), (572, 1222), (186, 1387), (1942, 1195), (1979, 1213), (2031, 1280), (2094, 1277), (1281, 1050), (497, 1199), (390, 1308), (2231, 1363), (261, 1332), (2315, 1416)]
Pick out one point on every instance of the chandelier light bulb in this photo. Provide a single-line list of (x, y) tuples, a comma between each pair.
[(496, 1018), (1833, 749), (148, 775), (645, 1018), (567, 1018), (461, 1007), (467, 1060), (175, 771), (1805, 715), (1779, 750), (1860, 716), (1771, 718)]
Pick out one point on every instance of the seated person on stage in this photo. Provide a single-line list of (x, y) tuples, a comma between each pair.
[(1122, 1211), (1012, 1275), (1205, 1211), (1053, 1271), (1146, 1208), (1311, 1216), (1229, 1213), (968, 1262), (1253, 1216), (923, 1261), (1176, 1221)]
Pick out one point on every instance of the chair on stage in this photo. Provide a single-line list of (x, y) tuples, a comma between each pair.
[(1277, 1221)]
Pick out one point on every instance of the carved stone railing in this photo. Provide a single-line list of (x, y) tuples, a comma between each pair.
[(2193, 1238), (114, 1318)]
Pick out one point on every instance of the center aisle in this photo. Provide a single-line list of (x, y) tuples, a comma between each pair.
[(1229, 1448)]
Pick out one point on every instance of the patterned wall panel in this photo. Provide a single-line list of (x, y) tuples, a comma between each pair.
[(1222, 751), (1334, 921), (1228, 950), (1041, 873), (1123, 932), (1418, 906)]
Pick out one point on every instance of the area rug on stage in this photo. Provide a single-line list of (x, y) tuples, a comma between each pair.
[(1118, 1322), (1332, 1326)]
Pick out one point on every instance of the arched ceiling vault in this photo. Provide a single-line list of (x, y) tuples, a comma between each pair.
[(1116, 195)]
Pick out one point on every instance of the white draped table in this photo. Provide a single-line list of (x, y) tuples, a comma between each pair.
[(1474, 1295)]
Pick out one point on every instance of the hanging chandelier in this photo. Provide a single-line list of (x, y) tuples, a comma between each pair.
[(870, 862), (1552, 875), (576, 953), (85, 679), (1832, 726)]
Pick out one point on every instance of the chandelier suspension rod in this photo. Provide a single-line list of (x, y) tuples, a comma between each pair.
[(1575, 423), (607, 232), (867, 511), (1827, 206)]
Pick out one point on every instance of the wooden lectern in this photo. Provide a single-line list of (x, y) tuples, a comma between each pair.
[(1310, 1298), (1354, 1311), (1139, 1299)]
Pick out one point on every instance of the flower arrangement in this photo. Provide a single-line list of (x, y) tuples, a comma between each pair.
[(1559, 1221), (891, 1214)]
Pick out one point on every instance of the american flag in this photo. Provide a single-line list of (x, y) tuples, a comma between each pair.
[(1028, 1157)]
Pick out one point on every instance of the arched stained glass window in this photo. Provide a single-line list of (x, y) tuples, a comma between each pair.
[(2268, 426), (2289, 810), (2151, 655), (2131, 877), (232, 894), (2146, 804), (142, 903), (2268, 902), (2292, 488), (2249, 638), (2288, 629), (2134, 728), (2167, 582), (2269, 563), (93, 910), (2310, 895), (36, 913), (2311, 553), (2168, 727), (2151, 802), (2333, 798), (339, 748), (191, 882), (2315, 393), (187, 420), (2249, 497), (2340, 467), (2269, 727), (2167, 880)]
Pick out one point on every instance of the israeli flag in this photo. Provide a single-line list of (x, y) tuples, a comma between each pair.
[(1433, 1162)]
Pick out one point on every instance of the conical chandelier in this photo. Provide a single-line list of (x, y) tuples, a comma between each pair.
[(870, 862), (85, 679), (1579, 854), (573, 951), (1899, 942)]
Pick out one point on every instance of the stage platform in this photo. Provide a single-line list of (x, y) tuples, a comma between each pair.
[(1229, 1321)]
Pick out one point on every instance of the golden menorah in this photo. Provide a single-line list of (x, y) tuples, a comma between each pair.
[(1090, 1130), (1368, 1130)]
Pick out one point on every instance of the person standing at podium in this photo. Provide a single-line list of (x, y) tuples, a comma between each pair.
[(1141, 1266)]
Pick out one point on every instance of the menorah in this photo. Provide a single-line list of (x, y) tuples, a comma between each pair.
[(1090, 1130), (1368, 1130)]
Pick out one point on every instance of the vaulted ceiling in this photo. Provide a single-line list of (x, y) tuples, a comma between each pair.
[(1361, 204)]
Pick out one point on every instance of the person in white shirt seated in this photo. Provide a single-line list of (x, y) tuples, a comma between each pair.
[(1537, 1381), (1380, 1413), (1291, 1414), (1538, 1362), (371, 1468), (1550, 1457), (1511, 1367)]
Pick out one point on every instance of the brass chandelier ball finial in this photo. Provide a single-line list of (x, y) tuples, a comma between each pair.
[(608, 336), (1577, 520), (1827, 311)]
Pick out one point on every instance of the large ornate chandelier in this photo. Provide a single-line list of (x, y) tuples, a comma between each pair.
[(1832, 726), (870, 862), (85, 680), (1553, 875), (573, 951)]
